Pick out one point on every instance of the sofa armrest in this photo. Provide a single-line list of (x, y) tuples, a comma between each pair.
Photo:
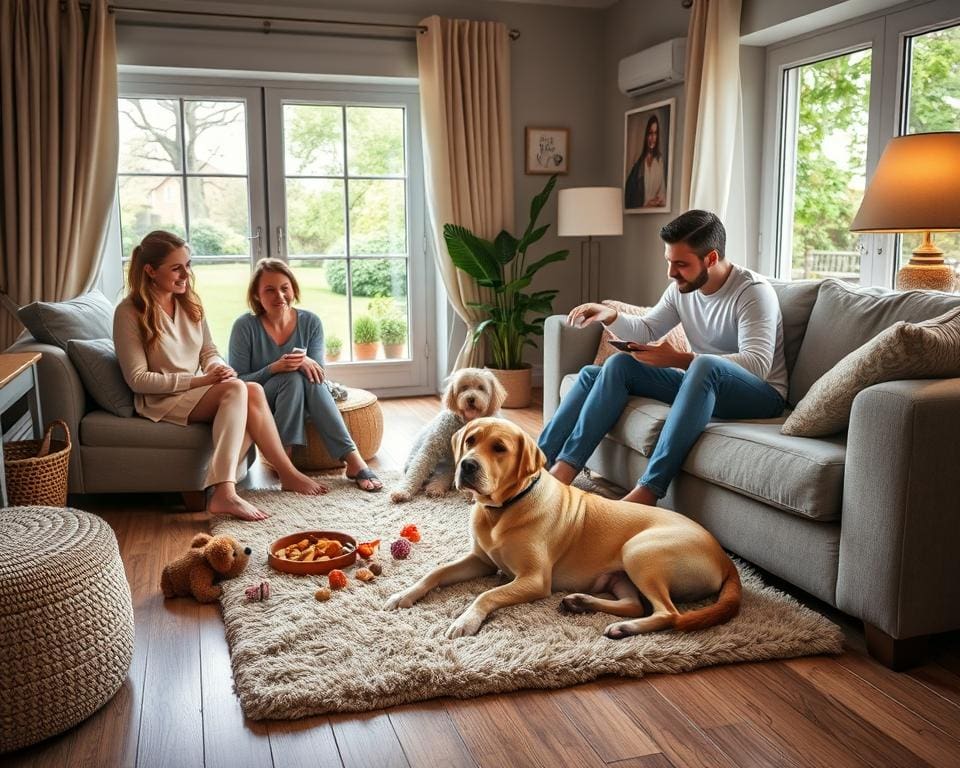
[(900, 526), (565, 350), (62, 396)]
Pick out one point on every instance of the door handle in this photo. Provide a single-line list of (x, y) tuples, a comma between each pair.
[(280, 242), (258, 236)]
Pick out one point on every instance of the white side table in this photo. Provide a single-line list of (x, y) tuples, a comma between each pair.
[(18, 377)]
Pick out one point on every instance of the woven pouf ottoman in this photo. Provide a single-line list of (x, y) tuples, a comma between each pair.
[(66, 621), (364, 419)]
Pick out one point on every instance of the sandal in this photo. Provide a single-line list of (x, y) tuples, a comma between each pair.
[(366, 474)]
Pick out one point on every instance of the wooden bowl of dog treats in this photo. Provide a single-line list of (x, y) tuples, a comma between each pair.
[(313, 552)]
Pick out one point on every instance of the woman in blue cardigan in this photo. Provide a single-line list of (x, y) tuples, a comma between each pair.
[(279, 347)]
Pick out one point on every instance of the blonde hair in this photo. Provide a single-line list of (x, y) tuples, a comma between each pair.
[(269, 265), (153, 251)]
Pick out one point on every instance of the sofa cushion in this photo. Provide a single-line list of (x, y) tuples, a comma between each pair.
[(674, 336), (89, 316), (799, 475), (930, 349), (796, 474), (104, 430), (796, 303), (96, 362), (846, 317)]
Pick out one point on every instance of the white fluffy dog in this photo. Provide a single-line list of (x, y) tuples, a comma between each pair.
[(470, 394)]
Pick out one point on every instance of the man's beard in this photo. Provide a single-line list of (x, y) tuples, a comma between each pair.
[(697, 283)]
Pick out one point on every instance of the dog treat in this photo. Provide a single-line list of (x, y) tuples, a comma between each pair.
[(258, 592), (337, 579), (364, 574), (312, 549), (410, 533), (323, 594), (400, 549), (375, 568), (366, 549)]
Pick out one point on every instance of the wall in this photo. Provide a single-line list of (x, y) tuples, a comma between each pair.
[(633, 268)]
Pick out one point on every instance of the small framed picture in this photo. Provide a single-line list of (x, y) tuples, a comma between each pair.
[(648, 158), (548, 150)]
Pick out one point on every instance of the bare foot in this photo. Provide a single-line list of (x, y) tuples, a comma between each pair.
[(237, 507), (641, 495), (300, 483), (565, 473)]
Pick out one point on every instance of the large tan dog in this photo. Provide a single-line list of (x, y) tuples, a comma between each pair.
[(549, 536)]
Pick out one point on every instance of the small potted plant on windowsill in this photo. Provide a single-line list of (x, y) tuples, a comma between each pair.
[(333, 346), (393, 335), (366, 338), (501, 266)]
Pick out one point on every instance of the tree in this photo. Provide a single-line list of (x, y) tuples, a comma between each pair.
[(158, 146), (834, 106)]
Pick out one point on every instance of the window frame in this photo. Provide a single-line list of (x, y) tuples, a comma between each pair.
[(388, 373), (887, 34), (775, 258), (414, 376)]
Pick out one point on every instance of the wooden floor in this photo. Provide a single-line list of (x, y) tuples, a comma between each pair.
[(177, 707)]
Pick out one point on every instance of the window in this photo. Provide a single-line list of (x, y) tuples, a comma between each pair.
[(344, 190), (824, 166), (832, 102), (819, 144), (323, 177), (183, 168), (932, 103)]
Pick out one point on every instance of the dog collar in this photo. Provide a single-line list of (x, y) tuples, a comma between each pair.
[(516, 498)]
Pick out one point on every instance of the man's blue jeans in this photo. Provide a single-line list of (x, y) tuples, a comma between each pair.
[(711, 387)]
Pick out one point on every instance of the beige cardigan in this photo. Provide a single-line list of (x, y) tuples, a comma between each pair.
[(160, 378)]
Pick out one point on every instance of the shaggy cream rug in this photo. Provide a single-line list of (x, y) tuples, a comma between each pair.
[(294, 656)]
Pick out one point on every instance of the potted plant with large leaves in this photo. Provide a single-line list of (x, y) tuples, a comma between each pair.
[(515, 316)]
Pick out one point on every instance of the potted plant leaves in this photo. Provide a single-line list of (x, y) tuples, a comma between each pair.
[(366, 338), (514, 316), (332, 348), (393, 335)]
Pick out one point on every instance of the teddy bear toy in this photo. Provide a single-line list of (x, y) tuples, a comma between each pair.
[(209, 560)]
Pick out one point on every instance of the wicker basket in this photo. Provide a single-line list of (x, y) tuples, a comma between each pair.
[(364, 421), (38, 481)]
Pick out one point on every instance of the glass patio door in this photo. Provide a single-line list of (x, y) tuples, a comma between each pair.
[(328, 179), (345, 211)]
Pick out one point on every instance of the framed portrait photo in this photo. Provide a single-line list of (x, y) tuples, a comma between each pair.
[(547, 150), (648, 158)]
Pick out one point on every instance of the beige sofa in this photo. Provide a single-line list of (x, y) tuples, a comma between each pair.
[(111, 453), (868, 520)]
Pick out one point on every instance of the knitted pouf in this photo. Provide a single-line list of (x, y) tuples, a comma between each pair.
[(66, 621), (364, 420)]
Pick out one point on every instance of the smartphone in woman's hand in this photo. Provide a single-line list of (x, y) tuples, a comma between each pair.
[(296, 351)]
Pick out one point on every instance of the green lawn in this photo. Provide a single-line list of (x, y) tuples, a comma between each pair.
[(223, 289)]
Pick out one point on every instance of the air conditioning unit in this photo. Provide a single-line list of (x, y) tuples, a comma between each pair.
[(656, 67)]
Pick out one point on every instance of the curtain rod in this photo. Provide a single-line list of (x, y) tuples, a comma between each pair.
[(267, 22)]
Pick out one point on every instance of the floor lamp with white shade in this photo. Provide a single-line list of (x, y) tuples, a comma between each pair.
[(590, 212)]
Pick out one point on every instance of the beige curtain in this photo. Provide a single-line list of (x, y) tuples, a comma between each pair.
[(58, 149), (712, 126), (465, 105)]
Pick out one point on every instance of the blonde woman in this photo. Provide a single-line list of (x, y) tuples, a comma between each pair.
[(170, 362), (280, 346)]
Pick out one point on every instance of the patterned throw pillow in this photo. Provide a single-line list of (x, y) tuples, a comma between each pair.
[(925, 350), (676, 336)]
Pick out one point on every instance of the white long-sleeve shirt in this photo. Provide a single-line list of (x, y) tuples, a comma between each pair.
[(741, 322)]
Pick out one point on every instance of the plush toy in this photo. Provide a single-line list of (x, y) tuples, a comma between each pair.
[(209, 559)]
